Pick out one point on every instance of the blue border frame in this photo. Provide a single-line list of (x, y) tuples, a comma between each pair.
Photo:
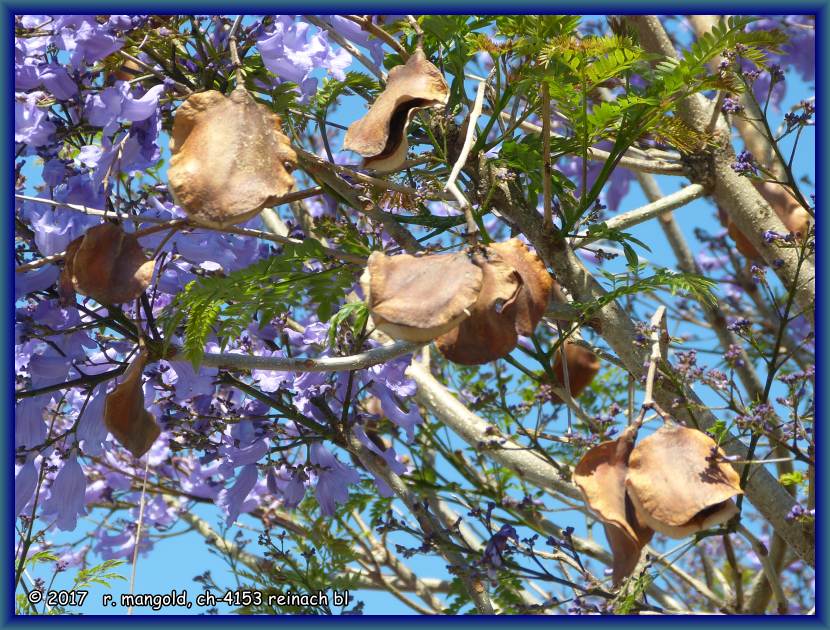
[(9, 9)]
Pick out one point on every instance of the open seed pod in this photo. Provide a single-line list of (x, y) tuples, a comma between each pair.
[(418, 298), (600, 475), (794, 217), (106, 264), (380, 136), (583, 366), (490, 331), (537, 284), (679, 482), (230, 158), (124, 413)]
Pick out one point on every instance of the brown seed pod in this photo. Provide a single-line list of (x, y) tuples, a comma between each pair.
[(418, 298), (490, 331), (600, 475), (583, 366), (380, 136), (537, 284), (124, 413), (679, 482), (106, 264), (230, 158), (794, 217)]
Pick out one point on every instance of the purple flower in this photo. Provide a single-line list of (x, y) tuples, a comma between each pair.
[(232, 500), (117, 102), (89, 42), (356, 34), (745, 164), (186, 382), (91, 429), (25, 483), (493, 556), (29, 425), (388, 455), (333, 479), (54, 172), (31, 123), (798, 513), (731, 106), (120, 545), (49, 367), (35, 280), (289, 53), (740, 325), (316, 333), (407, 420), (66, 495), (287, 483), (56, 79)]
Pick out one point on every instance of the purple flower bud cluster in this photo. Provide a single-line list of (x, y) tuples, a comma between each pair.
[(744, 164), (731, 106), (805, 117), (800, 513)]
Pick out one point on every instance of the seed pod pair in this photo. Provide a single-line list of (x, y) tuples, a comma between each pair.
[(106, 264), (380, 136), (474, 304), (230, 158), (676, 482)]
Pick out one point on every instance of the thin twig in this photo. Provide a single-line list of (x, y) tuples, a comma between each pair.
[(138, 529), (666, 204), (470, 136), (419, 32), (546, 174), (769, 569), (367, 25), (181, 87), (237, 66), (657, 327), (469, 139), (431, 528), (359, 361), (657, 166)]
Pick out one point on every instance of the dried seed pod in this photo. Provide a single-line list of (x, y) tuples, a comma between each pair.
[(794, 217), (583, 366), (124, 413), (680, 483), (537, 284), (380, 136), (230, 158), (490, 331), (600, 475), (106, 264), (418, 298)]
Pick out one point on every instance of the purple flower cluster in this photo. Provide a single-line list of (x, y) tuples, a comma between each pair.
[(744, 164), (292, 50), (731, 106), (56, 94)]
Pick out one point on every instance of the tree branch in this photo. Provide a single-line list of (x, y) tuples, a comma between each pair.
[(360, 361)]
